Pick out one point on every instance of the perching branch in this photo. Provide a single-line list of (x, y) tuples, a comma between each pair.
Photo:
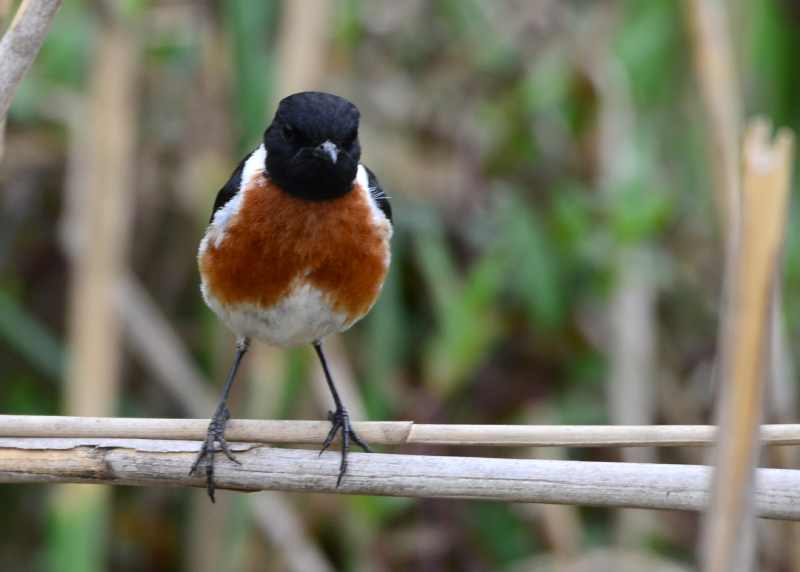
[(384, 432), (21, 43), (166, 463)]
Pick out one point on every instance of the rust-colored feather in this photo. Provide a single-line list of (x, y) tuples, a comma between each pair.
[(276, 239)]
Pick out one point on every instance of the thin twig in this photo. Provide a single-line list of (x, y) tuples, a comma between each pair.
[(385, 432), (21, 43), (151, 463)]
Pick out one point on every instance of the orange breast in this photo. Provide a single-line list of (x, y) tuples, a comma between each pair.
[(275, 240)]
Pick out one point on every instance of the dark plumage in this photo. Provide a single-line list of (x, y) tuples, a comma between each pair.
[(313, 145), (379, 194), (230, 189)]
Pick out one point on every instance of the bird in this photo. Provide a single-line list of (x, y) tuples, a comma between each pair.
[(297, 249)]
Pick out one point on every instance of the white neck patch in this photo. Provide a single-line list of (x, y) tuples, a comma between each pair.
[(255, 164), (253, 167), (362, 181)]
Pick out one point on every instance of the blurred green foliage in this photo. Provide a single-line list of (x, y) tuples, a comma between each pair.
[(248, 26), (483, 121)]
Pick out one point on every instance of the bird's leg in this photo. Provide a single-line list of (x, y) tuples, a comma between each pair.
[(216, 428), (339, 419)]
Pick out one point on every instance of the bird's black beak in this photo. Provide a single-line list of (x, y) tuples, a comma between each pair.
[(328, 150)]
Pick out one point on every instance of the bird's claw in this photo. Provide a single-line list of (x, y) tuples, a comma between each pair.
[(340, 421), (214, 436)]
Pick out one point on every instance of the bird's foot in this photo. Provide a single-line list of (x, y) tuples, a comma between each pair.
[(340, 420), (214, 436)]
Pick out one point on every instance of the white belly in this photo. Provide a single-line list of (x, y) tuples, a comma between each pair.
[(302, 317)]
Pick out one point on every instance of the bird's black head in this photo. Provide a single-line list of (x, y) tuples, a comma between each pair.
[(312, 145)]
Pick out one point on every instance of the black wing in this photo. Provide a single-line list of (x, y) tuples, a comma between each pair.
[(378, 193), (230, 189)]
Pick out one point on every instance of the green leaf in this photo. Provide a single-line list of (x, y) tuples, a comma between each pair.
[(296, 384), (534, 274), (78, 532), (649, 46), (501, 533), (638, 211), (250, 25), (30, 338), (386, 330), (465, 316), (439, 271)]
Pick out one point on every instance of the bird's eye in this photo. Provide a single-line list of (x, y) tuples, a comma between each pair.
[(351, 138), (289, 133)]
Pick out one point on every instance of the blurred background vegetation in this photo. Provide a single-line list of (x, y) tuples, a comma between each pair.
[(557, 259)]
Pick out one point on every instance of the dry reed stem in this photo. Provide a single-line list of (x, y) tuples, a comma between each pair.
[(162, 463), (720, 91), (102, 215), (385, 432), (728, 543), (21, 43), (303, 44), (99, 225), (632, 331), (719, 88)]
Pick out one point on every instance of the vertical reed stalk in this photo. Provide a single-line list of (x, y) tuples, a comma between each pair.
[(728, 538), (101, 214)]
